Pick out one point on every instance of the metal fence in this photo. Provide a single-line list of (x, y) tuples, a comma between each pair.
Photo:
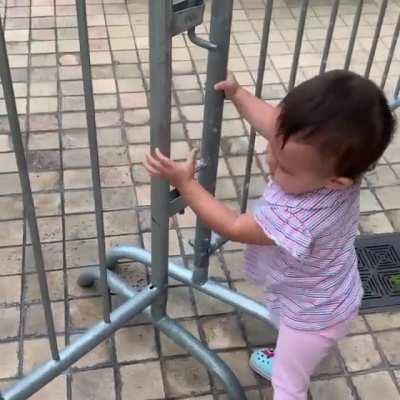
[(167, 18)]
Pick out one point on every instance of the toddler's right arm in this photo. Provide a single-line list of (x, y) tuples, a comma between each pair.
[(261, 115)]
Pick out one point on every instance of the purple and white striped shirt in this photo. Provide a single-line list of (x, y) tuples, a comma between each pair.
[(310, 277)]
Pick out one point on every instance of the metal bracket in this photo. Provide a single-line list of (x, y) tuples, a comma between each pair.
[(187, 15), (176, 203)]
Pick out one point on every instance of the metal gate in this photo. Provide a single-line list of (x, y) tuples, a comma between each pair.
[(167, 18)]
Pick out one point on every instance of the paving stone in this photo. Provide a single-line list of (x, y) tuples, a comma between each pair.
[(382, 321), (389, 343), (35, 323), (369, 202), (36, 352), (10, 318), (41, 181), (359, 353), (136, 343), (83, 313), (43, 88), (389, 196), (11, 233), (135, 379), (43, 122), (359, 325), (208, 306), (100, 355), (76, 158), (222, 332), (98, 384), (44, 160), (44, 141), (55, 280), (115, 176), (11, 207), (394, 217), (79, 201), (332, 389), (113, 156), (376, 385), (375, 223), (120, 222), (185, 376), (381, 176), (238, 361), (50, 229), (9, 357), (170, 348), (7, 162), (52, 254), (179, 303), (81, 252), (55, 390)]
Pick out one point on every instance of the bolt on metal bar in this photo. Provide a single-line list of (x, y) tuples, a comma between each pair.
[(377, 33), (160, 19), (329, 35), (29, 207), (220, 28), (353, 35), (298, 44), (391, 53), (94, 155)]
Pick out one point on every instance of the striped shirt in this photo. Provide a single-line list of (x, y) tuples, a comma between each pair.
[(310, 277)]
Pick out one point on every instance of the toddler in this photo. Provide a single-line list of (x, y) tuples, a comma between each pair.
[(325, 134)]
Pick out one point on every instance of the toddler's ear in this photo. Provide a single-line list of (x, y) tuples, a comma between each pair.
[(339, 183)]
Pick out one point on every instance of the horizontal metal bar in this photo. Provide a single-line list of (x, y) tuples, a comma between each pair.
[(210, 287), (210, 360), (30, 384), (179, 335)]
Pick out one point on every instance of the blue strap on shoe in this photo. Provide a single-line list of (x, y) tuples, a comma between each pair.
[(261, 362)]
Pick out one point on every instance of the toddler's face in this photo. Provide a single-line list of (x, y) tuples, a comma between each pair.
[(298, 167)]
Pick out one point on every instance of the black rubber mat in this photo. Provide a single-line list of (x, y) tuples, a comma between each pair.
[(379, 265)]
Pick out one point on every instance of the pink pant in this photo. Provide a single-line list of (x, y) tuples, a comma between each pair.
[(298, 354)]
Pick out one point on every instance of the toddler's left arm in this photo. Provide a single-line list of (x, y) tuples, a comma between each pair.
[(221, 219)]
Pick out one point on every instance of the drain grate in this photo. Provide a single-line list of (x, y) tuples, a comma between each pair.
[(379, 266)]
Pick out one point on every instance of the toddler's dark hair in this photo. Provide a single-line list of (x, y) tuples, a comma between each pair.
[(345, 115)]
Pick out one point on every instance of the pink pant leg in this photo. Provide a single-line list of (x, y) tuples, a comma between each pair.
[(298, 354)]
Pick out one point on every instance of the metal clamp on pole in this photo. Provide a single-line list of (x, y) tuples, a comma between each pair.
[(187, 14)]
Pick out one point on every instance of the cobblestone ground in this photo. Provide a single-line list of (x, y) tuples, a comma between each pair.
[(139, 363)]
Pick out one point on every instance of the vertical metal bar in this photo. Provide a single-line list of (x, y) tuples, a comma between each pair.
[(221, 20), (160, 18), (329, 35), (94, 156), (397, 90), (29, 207), (298, 44), (258, 93), (391, 53), (377, 33), (353, 34)]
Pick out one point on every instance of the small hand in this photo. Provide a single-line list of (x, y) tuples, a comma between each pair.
[(229, 86), (177, 173)]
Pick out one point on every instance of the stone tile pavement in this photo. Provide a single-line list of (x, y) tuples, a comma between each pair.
[(139, 362)]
